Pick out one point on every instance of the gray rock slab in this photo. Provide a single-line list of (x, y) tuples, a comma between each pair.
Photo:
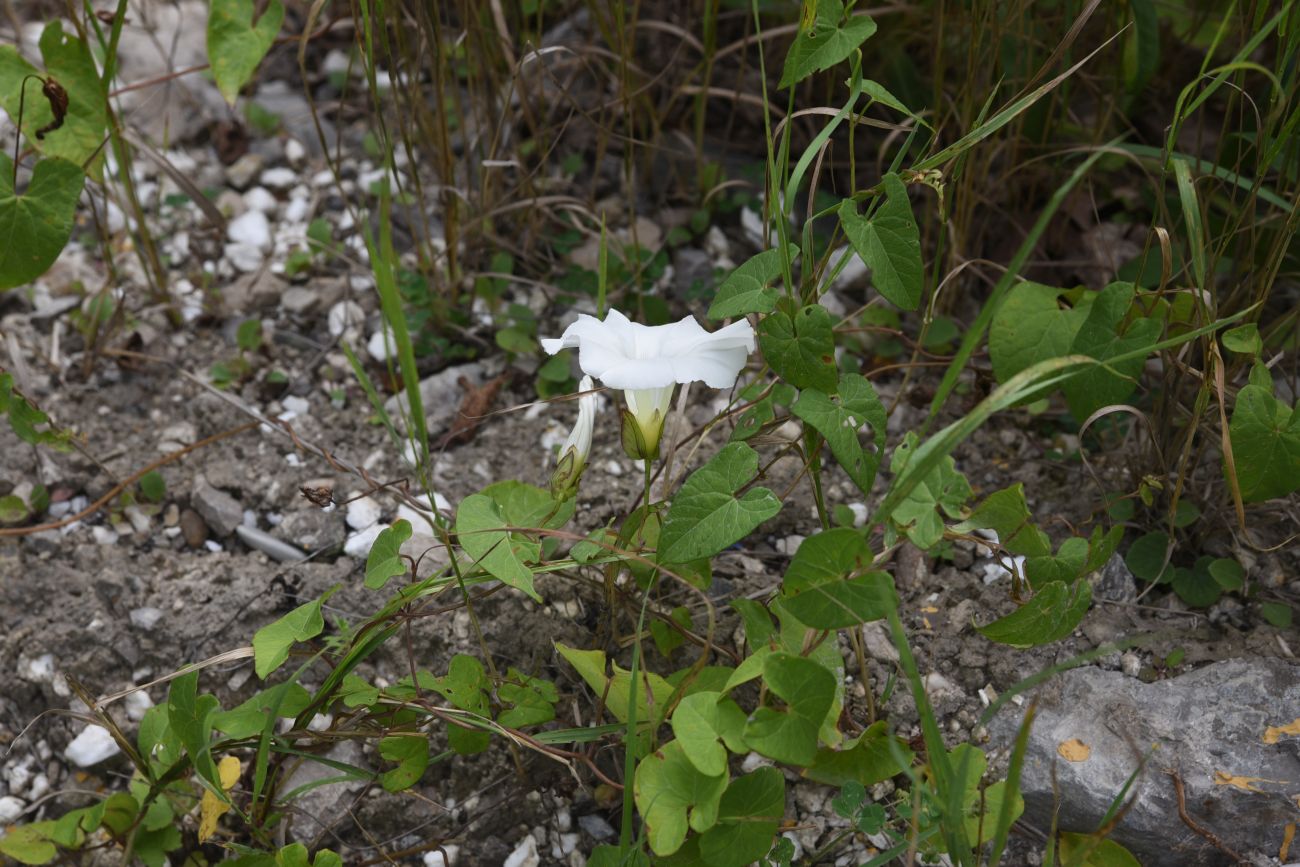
[(1220, 727), (325, 806), (440, 394), (220, 511)]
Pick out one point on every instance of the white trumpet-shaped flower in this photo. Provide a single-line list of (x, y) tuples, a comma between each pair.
[(573, 454), (647, 362)]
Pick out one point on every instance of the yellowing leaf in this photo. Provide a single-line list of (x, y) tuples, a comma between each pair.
[(1074, 750), (1273, 734), (1246, 784), (212, 808)]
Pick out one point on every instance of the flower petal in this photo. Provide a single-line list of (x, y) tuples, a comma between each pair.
[(627, 355)]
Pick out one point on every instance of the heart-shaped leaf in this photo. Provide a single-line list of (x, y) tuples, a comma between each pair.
[(37, 223), (673, 796), (707, 516), (890, 243), (800, 346), (237, 43), (746, 290)]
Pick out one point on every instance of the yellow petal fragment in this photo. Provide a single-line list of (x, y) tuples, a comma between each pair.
[(1288, 835), (1074, 750), (1273, 734), (1246, 784), (212, 808)]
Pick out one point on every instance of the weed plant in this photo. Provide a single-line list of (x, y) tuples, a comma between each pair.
[(1082, 213)]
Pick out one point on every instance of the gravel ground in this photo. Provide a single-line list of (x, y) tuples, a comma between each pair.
[(127, 595)]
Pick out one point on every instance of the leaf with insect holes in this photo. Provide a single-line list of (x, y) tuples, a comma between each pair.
[(673, 796), (825, 42), (1265, 435), (1051, 615), (839, 418), (890, 243), (37, 223), (237, 43), (1031, 326), (746, 290), (385, 558), (411, 752), (706, 515), (800, 346), (69, 63), (284, 700)]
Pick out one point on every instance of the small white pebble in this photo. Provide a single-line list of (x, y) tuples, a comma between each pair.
[(358, 544), (279, 178), (363, 513), (11, 809), (91, 747)]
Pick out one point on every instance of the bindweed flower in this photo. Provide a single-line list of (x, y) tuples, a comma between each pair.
[(573, 454), (647, 362)]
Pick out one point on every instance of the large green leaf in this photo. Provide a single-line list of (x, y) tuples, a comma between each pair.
[(271, 643), (465, 686), (480, 527), (747, 289), (673, 796), (411, 752), (1101, 338), (749, 814), (1006, 513), (838, 420), (68, 62), (800, 346), (1030, 326), (706, 516), (825, 42), (1051, 615), (384, 560), (29, 844), (789, 734), (823, 589), (1088, 850), (237, 43), (36, 224), (1265, 445), (702, 723), (890, 243), (867, 759), (284, 700), (651, 695), (189, 715)]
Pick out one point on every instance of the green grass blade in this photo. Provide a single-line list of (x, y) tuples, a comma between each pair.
[(383, 263), (1004, 117)]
